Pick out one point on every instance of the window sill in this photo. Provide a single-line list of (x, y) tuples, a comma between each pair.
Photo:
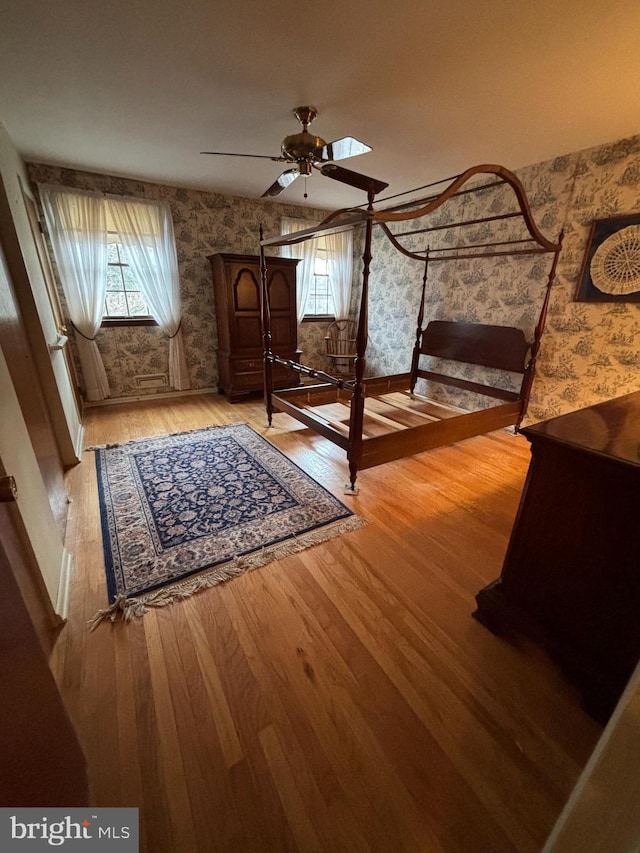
[(127, 321), (319, 318)]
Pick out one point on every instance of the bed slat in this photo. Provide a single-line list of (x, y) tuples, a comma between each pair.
[(424, 405), (376, 408)]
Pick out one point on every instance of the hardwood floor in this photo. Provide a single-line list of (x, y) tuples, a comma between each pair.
[(342, 699)]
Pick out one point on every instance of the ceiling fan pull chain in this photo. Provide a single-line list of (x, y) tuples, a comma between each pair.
[(305, 186)]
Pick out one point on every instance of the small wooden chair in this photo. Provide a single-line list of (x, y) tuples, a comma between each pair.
[(340, 346)]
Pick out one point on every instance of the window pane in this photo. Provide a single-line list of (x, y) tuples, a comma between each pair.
[(137, 306), (322, 285), (320, 300), (129, 279), (123, 298), (116, 305), (114, 279)]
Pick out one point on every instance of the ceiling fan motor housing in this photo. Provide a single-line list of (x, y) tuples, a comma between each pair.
[(301, 146)]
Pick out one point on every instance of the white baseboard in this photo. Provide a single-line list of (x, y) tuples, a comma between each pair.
[(64, 586), (136, 398), (78, 445)]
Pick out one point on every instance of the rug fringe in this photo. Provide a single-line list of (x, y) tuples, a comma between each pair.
[(94, 447), (119, 611), (125, 609)]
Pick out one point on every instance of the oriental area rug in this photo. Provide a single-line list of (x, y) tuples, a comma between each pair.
[(184, 512)]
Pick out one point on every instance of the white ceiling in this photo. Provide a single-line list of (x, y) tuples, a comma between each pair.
[(138, 88)]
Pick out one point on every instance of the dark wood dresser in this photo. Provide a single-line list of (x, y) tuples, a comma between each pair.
[(571, 576), (236, 287)]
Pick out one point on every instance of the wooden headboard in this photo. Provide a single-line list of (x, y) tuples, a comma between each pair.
[(500, 347)]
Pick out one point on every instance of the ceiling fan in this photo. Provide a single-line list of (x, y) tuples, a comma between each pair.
[(308, 152)]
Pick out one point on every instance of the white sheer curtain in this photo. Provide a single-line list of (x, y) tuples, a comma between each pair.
[(340, 270), (305, 269), (77, 228), (145, 229)]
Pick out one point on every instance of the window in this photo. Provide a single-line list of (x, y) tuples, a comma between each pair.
[(123, 298), (320, 299), (104, 284), (323, 273)]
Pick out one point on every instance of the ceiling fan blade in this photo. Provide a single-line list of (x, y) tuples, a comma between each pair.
[(354, 179), (261, 156), (340, 149), (282, 183)]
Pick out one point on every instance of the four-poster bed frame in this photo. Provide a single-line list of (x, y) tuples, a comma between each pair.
[(380, 419)]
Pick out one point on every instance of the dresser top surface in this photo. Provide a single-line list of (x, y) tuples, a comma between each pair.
[(611, 429), (253, 260)]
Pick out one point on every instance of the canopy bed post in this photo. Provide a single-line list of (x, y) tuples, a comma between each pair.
[(415, 361), (265, 313), (530, 370), (356, 418)]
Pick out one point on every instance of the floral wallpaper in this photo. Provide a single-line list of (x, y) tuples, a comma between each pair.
[(589, 351), (204, 223)]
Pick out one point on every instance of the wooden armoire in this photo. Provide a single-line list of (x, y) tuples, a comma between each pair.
[(236, 287)]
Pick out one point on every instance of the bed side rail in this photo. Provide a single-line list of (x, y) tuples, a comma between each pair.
[(467, 385)]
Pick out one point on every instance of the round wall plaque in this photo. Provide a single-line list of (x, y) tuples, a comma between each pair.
[(615, 266)]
